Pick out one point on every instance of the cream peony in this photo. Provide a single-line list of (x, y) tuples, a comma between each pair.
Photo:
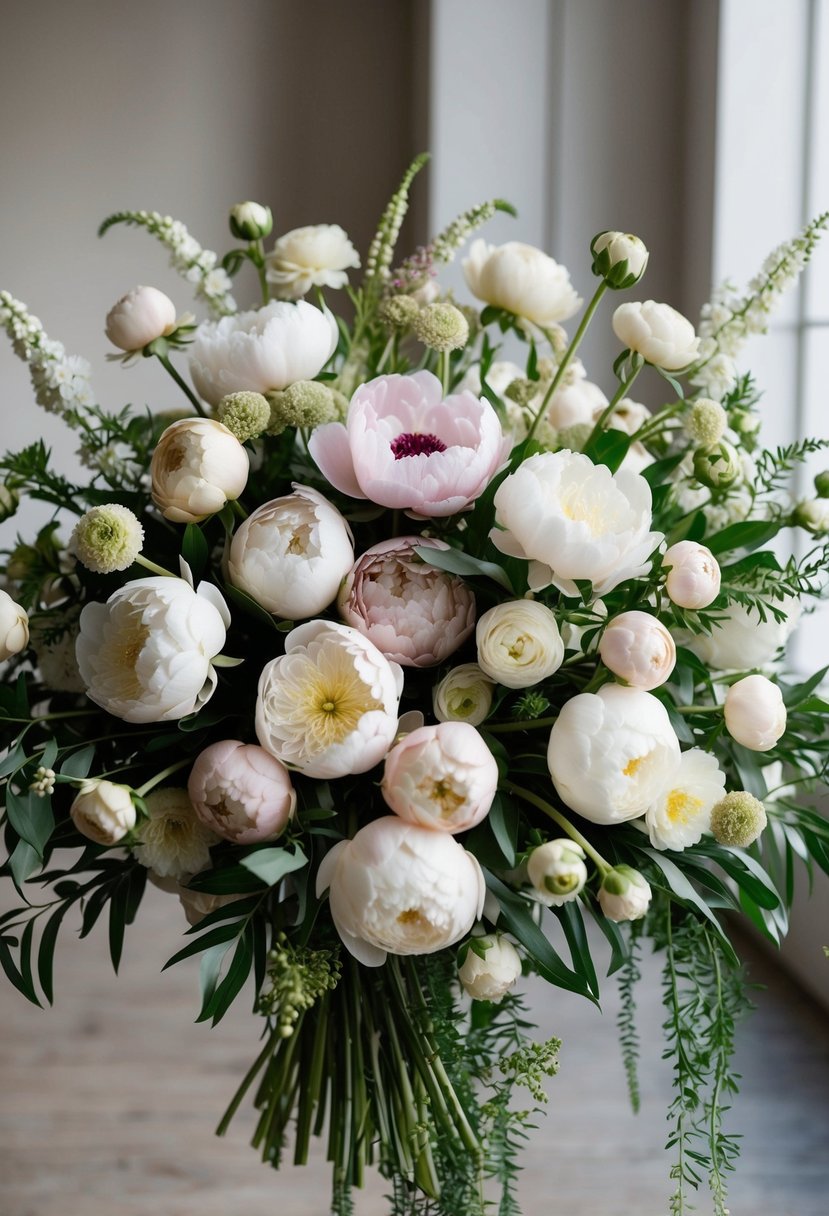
[(612, 753), (740, 639), (292, 554), (463, 695), (657, 332), (490, 969), (315, 256), (329, 705), (681, 813), (172, 841), (522, 280), (638, 648), (139, 317), (14, 627), (443, 777), (241, 792), (754, 713), (261, 351), (103, 811), (198, 465), (146, 654), (519, 643), (398, 888), (693, 579), (571, 519)]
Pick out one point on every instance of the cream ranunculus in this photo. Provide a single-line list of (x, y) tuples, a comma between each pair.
[(139, 317), (398, 888), (522, 280), (557, 871), (315, 256), (490, 969), (573, 520), (612, 753), (463, 695), (250, 221), (519, 643), (329, 705), (682, 812), (146, 654), (693, 578), (443, 777), (657, 332), (624, 894), (740, 639), (754, 713), (638, 648), (14, 627), (103, 811), (261, 351), (292, 554), (172, 841), (619, 258), (198, 465)]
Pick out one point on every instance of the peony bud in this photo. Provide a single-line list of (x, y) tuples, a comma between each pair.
[(619, 258), (624, 894), (822, 484), (242, 792), (754, 713), (693, 575), (463, 695), (717, 466), (443, 777), (557, 871), (139, 317), (103, 811), (660, 334), (14, 627), (738, 819), (198, 466), (250, 221), (107, 538), (9, 501), (639, 649), (490, 968), (519, 643)]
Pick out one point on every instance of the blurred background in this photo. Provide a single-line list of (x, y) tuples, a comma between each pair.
[(702, 126)]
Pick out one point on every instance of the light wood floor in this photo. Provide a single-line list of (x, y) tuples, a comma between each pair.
[(109, 1102)]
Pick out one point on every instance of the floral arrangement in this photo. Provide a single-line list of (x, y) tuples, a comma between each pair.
[(401, 666)]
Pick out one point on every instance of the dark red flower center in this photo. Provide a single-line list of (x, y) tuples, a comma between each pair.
[(412, 444)]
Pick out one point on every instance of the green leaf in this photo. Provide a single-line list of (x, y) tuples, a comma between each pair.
[(15, 976), (46, 952), (619, 950), (23, 863), (224, 932), (749, 534), (795, 694), (13, 761), (572, 922), (609, 448), (271, 865), (226, 992), (78, 763), (658, 472), (31, 817), (687, 894), (249, 605), (503, 820), (194, 550), (229, 880), (455, 561)]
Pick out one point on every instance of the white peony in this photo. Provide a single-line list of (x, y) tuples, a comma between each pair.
[(198, 465), (14, 627), (139, 317), (657, 332), (315, 256), (463, 695), (522, 280), (681, 813), (292, 554), (741, 640), (572, 520), (754, 713), (490, 969), (398, 888), (611, 753), (329, 705), (146, 654), (578, 400), (519, 643), (261, 351)]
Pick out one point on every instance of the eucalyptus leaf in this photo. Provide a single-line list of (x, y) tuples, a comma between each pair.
[(455, 561), (271, 865)]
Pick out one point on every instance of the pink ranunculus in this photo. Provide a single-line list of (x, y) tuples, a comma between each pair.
[(241, 792), (415, 614), (442, 777), (403, 446)]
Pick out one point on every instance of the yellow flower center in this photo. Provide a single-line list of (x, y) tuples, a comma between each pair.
[(574, 507), (443, 793), (632, 767), (412, 916), (680, 806)]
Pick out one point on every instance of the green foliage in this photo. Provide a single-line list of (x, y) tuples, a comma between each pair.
[(629, 976)]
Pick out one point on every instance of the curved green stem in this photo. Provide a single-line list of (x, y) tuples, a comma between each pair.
[(257, 251), (154, 566), (507, 728), (164, 360), (159, 777), (603, 866), (621, 391), (699, 709)]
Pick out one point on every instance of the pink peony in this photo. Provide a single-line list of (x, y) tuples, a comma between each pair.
[(443, 777), (241, 792), (403, 446), (413, 613)]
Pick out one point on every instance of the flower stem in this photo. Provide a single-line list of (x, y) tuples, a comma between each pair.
[(164, 360), (444, 372), (257, 256), (698, 709), (507, 728), (624, 385), (141, 560), (159, 777), (563, 822)]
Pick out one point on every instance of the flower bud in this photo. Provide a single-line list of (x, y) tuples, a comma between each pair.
[(398, 312), (305, 403), (707, 422), (490, 968), (557, 871), (813, 516), (250, 221), (619, 258), (442, 777), (754, 713), (693, 575), (657, 332), (139, 317), (241, 792), (738, 819), (9, 502), (519, 643), (822, 484), (107, 538), (103, 811), (197, 467), (246, 415), (441, 327), (717, 466), (463, 695), (624, 894), (638, 648), (14, 627)]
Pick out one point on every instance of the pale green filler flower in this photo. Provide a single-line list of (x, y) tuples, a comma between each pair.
[(398, 312), (307, 403), (299, 976), (738, 819), (107, 538), (707, 422), (575, 436), (441, 327), (245, 414), (522, 391)]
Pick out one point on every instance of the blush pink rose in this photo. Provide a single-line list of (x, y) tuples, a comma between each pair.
[(403, 446), (442, 777), (413, 613), (242, 792)]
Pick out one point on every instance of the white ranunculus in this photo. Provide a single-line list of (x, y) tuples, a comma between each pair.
[(519, 643), (693, 578), (292, 554), (315, 256), (611, 753), (398, 888), (463, 695), (624, 894), (329, 705), (813, 515), (557, 871), (681, 813), (139, 317), (490, 969), (14, 627), (172, 841), (754, 713), (443, 777), (740, 639), (261, 351), (522, 280), (146, 654), (638, 648), (619, 258), (572, 520), (198, 465), (103, 811), (657, 332)]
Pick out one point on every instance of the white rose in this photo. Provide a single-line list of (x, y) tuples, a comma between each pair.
[(292, 554), (619, 258), (490, 969), (463, 695), (14, 627), (572, 520), (443, 777), (519, 643), (681, 813), (657, 332), (398, 888), (146, 654), (198, 465), (261, 351), (329, 705), (638, 648), (103, 811), (611, 753), (139, 317), (624, 894), (740, 639), (557, 871), (315, 256), (693, 575), (172, 841), (522, 280), (754, 713)]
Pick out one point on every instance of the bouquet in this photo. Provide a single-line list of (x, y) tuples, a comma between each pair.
[(409, 670)]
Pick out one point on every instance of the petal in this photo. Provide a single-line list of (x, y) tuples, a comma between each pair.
[(330, 448)]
